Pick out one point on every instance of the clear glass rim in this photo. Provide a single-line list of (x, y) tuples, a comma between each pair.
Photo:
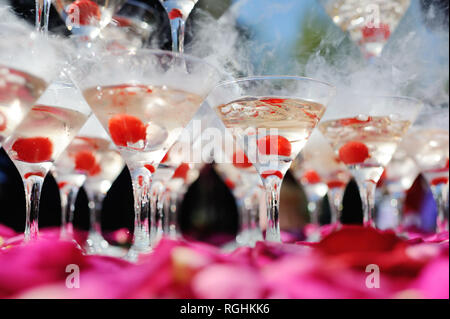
[(279, 77), (391, 97)]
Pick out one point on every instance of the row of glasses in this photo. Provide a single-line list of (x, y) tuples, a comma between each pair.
[(428, 145)]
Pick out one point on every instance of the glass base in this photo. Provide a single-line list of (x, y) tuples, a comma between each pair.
[(97, 245)]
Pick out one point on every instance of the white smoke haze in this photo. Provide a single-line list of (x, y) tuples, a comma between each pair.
[(413, 63)]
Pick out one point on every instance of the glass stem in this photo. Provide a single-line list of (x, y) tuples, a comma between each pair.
[(141, 180), (440, 193), (367, 193), (174, 200), (244, 223), (335, 202), (95, 213), (33, 187), (42, 15), (157, 212), (272, 185), (68, 199), (177, 30)]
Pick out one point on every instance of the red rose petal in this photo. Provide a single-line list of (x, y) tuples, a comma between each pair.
[(86, 10), (33, 149), (272, 173), (353, 152), (311, 177), (240, 160), (357, 239), (85, 161), (126, 129), (274, 145), (175, 13)]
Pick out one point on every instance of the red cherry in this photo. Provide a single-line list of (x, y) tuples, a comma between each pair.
[(95, 170), (274, 145), (439, 180), (33, 174), (150, 168), (175, 13), (268, 173), (311, 177), (126, 129), (85, 161), (33, 149), (335, 184), (86, 10), (181, 171), (353, 120), (353, 152), (375, 33), (240, 160), (230, 183)]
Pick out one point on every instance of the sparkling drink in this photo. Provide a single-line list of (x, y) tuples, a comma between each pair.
[(42, 137), (18, 92), (365, 144), (273, 129), (143, 121)]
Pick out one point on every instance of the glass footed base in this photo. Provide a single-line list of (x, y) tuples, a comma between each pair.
[(97, 245), (247, 238)]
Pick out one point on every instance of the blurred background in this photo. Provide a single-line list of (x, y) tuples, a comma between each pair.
[(269, 37)]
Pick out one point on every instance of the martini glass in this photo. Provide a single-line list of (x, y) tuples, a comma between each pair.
[(86, 18), (144, 99), (24, 74), (369, 23), (40, 139), (431, 152), (271, 118), (400, 174), (364, 133), (178, 12)]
